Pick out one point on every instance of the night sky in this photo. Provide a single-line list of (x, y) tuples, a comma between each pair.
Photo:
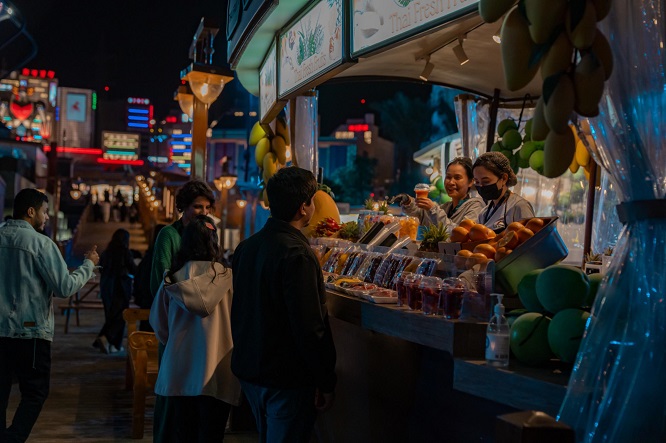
[(138, 47)]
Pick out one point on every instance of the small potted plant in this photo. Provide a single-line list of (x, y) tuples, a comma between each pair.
[(432, 235)]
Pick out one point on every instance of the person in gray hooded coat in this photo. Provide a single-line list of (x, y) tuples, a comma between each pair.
[(190, 315)]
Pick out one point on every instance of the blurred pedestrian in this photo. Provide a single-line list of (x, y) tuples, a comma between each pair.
[(118, 270), (133, 213), (33, 271), (284, 354), (190, 317), (194, 198), (143, 296)]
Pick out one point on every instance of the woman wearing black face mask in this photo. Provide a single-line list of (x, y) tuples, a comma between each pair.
[(492, 177)]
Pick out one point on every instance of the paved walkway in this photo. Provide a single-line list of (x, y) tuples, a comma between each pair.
[(88, 402)]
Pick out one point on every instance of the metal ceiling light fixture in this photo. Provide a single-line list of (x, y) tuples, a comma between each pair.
[(427, 70), (460, 52)]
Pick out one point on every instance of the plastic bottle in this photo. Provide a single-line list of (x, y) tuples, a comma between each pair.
[(497, 337)]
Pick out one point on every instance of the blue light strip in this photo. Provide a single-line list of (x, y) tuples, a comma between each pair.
[(180, 151), (137, 125), (181, 135), (180, 143), (121, 152), (137, 111), (137, 117)]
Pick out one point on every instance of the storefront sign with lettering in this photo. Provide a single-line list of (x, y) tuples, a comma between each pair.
[(311, 46), (379, 22), (268, 83)]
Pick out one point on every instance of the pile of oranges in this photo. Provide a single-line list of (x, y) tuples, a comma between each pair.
[(495, 247)]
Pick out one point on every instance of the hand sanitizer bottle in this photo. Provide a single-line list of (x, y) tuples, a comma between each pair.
[(497, 337)]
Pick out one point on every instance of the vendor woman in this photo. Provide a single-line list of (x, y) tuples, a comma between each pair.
[(492, 178), (457, 183)]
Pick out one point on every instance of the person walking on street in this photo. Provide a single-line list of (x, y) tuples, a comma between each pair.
[(284, 354), (190, 316), (118, 270), (33, 272), (194, 198)]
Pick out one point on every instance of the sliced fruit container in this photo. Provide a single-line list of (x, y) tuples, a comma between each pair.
[(545, 248)]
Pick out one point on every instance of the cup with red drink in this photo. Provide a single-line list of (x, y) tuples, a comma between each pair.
[(400, 287), (431, 288), (413, 291), (452, 293)]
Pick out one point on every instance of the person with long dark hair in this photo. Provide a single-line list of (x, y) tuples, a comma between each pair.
[(190, 316), (194, 198), (118, 269)]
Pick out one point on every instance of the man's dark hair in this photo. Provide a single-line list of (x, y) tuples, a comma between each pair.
[(191, 191), (28, 198), (288, 189)]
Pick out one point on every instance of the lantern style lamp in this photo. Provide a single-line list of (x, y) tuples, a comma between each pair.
[(185, 99)]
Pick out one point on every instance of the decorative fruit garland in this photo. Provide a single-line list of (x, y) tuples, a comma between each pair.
[(271, 151)]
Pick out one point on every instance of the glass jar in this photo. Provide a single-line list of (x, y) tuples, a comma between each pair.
[(431, 288)]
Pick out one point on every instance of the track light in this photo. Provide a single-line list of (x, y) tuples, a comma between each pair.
[(497, 36), (427, 70), (460, 52)]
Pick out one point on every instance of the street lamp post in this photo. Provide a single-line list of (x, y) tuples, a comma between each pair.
[(206, 82), (223, 183)]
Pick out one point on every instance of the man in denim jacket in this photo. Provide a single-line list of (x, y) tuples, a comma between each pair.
[(32, 269)]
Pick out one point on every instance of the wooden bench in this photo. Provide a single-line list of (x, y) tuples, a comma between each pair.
[(142, 349), (142, 366)]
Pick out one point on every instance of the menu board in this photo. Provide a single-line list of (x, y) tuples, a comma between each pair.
[(268, 83), (311, 46), (379, 22)]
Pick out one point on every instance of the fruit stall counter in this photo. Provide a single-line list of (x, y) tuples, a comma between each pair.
[(405, 376)]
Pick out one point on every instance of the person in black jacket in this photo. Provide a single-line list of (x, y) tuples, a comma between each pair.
[(284, 354), (118, 270)]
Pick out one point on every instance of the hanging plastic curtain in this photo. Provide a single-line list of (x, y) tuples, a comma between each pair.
[(304, 146), (617, 391)]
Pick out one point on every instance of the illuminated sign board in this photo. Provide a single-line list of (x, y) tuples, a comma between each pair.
[(120, 145), (181, 148), (376, 23), (311, 46), (76, 107)]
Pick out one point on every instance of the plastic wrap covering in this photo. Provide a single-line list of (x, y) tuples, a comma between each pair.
[(617, 393), (306, 131)]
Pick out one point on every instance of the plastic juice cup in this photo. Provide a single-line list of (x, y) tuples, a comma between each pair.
[(400, 287), (413, 292), (422, 190), (452, 293), (431, 288)]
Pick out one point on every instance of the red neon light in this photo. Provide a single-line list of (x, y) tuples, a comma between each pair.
[(34, 72), (171, 119), (362, 101), (106, 88), (106, 161), (63, 149), (358, 128), (50, 74), (150, 115), (25, 71), (42, 73)]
